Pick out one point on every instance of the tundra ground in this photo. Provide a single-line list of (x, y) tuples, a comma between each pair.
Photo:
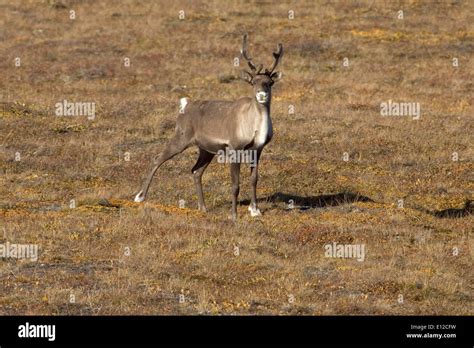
[(394, 184)]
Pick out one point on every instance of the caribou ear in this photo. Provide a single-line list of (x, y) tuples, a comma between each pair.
[(276, 76), (246, 76)]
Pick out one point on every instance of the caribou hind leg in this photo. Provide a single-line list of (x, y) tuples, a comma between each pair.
[(203, 161), (176, 145)]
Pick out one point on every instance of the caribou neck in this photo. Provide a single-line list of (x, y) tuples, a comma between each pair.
[(261, 123), (258, 110)]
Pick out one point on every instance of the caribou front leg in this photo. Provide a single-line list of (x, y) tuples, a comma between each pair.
[(254, 211), (235, 174)]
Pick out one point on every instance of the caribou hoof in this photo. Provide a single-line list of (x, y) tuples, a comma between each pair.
[(139, 197), (254, 211)]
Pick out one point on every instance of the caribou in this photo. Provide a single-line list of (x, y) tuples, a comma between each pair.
[(217, 125)]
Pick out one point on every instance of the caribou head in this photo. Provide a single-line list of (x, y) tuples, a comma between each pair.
[(262, 82)]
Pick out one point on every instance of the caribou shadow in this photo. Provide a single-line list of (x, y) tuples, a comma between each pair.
[(453, 213), (310, 202)]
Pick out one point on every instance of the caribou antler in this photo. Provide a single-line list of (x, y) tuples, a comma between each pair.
[(257, 69), (246, 56), (277, 55)]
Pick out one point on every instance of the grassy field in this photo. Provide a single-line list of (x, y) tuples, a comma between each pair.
[(395, 185)]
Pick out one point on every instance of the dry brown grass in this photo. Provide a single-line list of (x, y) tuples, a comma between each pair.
[(180, 251)]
